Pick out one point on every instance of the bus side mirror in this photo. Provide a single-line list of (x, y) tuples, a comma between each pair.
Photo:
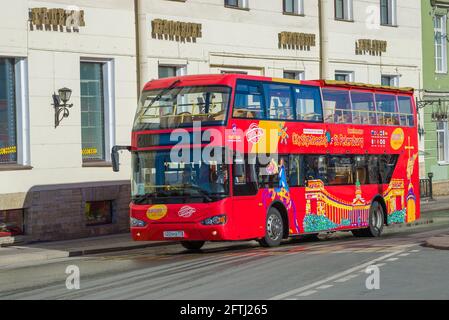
[(116, 158)]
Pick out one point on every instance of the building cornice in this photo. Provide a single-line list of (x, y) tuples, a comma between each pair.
[(440, 3)]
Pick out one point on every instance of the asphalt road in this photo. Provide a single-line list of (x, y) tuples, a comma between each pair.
[(332, 268)]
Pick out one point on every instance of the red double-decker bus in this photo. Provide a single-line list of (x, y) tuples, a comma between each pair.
[(237, 157)]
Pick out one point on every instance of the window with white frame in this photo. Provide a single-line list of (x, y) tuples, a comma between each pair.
[(343, 10), (97, 110), (294, 75), (442, 142), (167, 71), (388, 12), (347, 76), (294, 6), (14, 115), (241, 4), (440, 23), (389, 80)]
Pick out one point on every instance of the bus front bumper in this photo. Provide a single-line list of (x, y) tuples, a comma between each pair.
[(180, 232)]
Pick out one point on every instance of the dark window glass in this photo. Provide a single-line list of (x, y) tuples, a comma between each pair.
[(308, 103), (337, 106), (340, 9), (167, 71), (361, 169), (405, 111), (244, 177), (98, 212), (340, 170), (295, 174), (386, 14), (279, 102), (387, 109), (363, 108), (8, 130), (314, 167), (373, 169), (11, 222), (232, 3), (248, 101), (387, 165), (92, 111)]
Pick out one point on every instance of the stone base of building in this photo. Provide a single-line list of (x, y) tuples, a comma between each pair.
[(440, 188), (59, 212)]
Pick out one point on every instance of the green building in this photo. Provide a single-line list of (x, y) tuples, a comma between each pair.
[(435, 95)]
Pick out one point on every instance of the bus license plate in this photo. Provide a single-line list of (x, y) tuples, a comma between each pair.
[(173, 234)]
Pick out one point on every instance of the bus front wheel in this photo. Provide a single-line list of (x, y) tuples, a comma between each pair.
[(375, 223), (192, 245), (274, 229)]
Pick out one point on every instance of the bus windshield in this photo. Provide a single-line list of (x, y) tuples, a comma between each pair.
[(181, 106), (158, 179)]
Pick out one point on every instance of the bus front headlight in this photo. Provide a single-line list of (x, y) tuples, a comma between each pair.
[(137, 223), (215, 220)]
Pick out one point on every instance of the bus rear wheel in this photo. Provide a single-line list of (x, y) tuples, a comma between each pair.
[(375, 223), (274, 229), (192, 245)]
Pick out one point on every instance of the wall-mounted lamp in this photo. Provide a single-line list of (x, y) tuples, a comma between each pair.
[(60, 104)]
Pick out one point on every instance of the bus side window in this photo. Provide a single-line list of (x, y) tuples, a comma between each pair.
[(373, 169), (308, 103), (360, 170), (248, 102), (337, 106), (363, 108), (278, 101), (294, 170), (244, 178), (405, 111), (387, 109)]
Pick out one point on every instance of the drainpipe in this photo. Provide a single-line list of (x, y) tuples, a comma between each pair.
[(141, 44), (323, 6)]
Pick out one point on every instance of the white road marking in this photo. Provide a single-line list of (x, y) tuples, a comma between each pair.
[(392, 259), (346, 278), (326, 286), (307, 293), (336, 276), (404, 254), (380, 264)]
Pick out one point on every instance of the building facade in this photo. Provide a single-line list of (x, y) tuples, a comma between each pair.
[(435, 94), (59, 179), (57, 182)]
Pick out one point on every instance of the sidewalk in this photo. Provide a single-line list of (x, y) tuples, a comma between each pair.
[(44, 251), (432, 211)]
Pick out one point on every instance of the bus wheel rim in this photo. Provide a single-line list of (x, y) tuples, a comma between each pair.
[(274, 227)]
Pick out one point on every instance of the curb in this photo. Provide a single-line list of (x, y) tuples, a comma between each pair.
[(78, 253), (433, 242), (412, 224)]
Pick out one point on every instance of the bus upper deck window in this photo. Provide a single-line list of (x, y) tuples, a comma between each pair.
[(405, 111), (387, 109), (337, 106), (308, 104)]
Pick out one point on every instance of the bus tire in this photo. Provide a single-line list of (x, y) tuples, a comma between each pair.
[(192, 245), (375, 223), (274, 229)]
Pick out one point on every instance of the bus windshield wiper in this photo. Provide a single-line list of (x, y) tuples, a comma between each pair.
[(200, 191)]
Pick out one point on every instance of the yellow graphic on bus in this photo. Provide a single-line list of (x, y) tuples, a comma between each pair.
[(157, 212)]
